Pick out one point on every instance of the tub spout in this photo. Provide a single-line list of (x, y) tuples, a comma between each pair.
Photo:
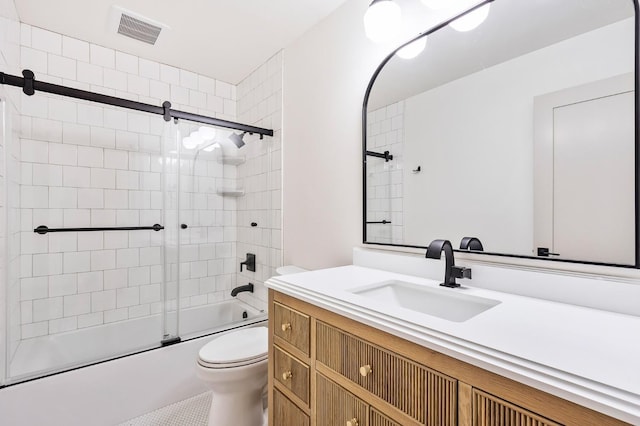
[(248, 287)]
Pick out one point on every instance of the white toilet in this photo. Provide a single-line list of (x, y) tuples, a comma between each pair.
[(234, 366)]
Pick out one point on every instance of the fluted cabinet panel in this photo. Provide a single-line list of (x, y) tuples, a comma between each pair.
[(376, 418), (336, 407), (491, 411), (423, 394), (285, 412)]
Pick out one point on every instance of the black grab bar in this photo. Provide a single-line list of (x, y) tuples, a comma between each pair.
[(45, 229)]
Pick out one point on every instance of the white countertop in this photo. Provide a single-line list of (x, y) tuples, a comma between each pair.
[(587, 356)]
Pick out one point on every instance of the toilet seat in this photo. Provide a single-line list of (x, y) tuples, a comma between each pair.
[(235, 349)]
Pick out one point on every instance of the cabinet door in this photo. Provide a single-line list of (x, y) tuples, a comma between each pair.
[(423, 394), (291, 373), (285, 412), (337, 407), (489, 410), (291, 326)]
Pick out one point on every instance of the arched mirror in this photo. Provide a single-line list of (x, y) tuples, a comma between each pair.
[(521, 133)]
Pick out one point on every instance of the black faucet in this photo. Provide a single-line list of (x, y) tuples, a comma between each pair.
[(240, 289), (250, 262), (471, 243), (451, 272)]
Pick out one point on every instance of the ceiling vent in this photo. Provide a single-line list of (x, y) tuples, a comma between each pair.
[(136, 26)]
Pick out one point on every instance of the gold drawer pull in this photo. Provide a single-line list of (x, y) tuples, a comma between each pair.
[(286, 326), (352, 422), (365, 370), (287, 375)]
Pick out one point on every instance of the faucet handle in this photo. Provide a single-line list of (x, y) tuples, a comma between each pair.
[(460, 272)]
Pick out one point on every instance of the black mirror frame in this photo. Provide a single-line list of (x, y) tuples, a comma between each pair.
[(443, 24)]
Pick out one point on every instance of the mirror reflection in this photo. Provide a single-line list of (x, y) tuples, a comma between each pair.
[(519, 133)]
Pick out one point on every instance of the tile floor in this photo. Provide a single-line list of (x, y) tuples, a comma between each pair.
[(190, 412)]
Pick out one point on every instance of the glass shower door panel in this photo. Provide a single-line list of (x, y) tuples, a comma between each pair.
[(87, 294), (208, 264), (172, 231)]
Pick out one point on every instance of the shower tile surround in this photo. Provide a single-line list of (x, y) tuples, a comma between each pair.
[(84, 164), (260, 104)]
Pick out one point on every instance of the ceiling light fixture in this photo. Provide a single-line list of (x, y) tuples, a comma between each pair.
[(471, 20), (382, 20), (413, 49)]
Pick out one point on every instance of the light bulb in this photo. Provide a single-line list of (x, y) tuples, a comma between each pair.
[(471, 20), (438, 4), (412, 50), (382, 20), (190, 143), (207, 133)]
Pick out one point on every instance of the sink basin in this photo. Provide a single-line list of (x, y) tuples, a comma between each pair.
[(449, 304)]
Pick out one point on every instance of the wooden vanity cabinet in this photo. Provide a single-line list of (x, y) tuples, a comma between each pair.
[(328, 370)]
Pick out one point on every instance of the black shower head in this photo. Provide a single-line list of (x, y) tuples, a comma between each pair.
[(237, 139)]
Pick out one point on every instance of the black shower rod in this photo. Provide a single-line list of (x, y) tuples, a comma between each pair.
[(29, 85)]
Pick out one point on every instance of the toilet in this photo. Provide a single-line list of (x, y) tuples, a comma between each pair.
[(234, 367)]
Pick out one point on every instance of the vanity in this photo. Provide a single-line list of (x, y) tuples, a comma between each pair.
[(340, 354)]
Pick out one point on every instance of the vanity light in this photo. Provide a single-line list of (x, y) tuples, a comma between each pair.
[(412, 50), (471, 20), (382, 20)]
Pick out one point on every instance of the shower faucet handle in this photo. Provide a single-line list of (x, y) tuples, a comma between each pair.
[(250, 262)]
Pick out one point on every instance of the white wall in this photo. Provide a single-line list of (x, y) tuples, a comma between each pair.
[(483, 123), (326, 72)]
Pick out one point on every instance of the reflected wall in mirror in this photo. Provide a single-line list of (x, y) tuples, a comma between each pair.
[(521, 133)]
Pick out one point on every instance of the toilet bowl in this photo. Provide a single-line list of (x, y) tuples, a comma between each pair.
[(234, 367)]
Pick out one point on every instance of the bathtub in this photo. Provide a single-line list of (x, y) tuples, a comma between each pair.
[(64, 351)]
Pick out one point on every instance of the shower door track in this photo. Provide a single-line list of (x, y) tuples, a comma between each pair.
[(29, 85)]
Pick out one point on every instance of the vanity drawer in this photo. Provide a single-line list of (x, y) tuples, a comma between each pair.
[(291, 373), (291, 326), (337, 407), (285, 412), (489, 410), (423, 394)]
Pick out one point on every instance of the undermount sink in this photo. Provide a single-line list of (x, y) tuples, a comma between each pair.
[(449, 304)]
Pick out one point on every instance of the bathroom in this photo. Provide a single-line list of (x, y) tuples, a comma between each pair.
[(290, 197)]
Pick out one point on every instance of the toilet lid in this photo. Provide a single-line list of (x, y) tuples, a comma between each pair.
[(237, 347)]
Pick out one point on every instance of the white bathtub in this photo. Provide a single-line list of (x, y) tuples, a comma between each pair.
[(58, 352)]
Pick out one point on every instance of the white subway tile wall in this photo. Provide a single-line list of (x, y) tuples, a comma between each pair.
[(260, 104), (384, 179), (86, 164)]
